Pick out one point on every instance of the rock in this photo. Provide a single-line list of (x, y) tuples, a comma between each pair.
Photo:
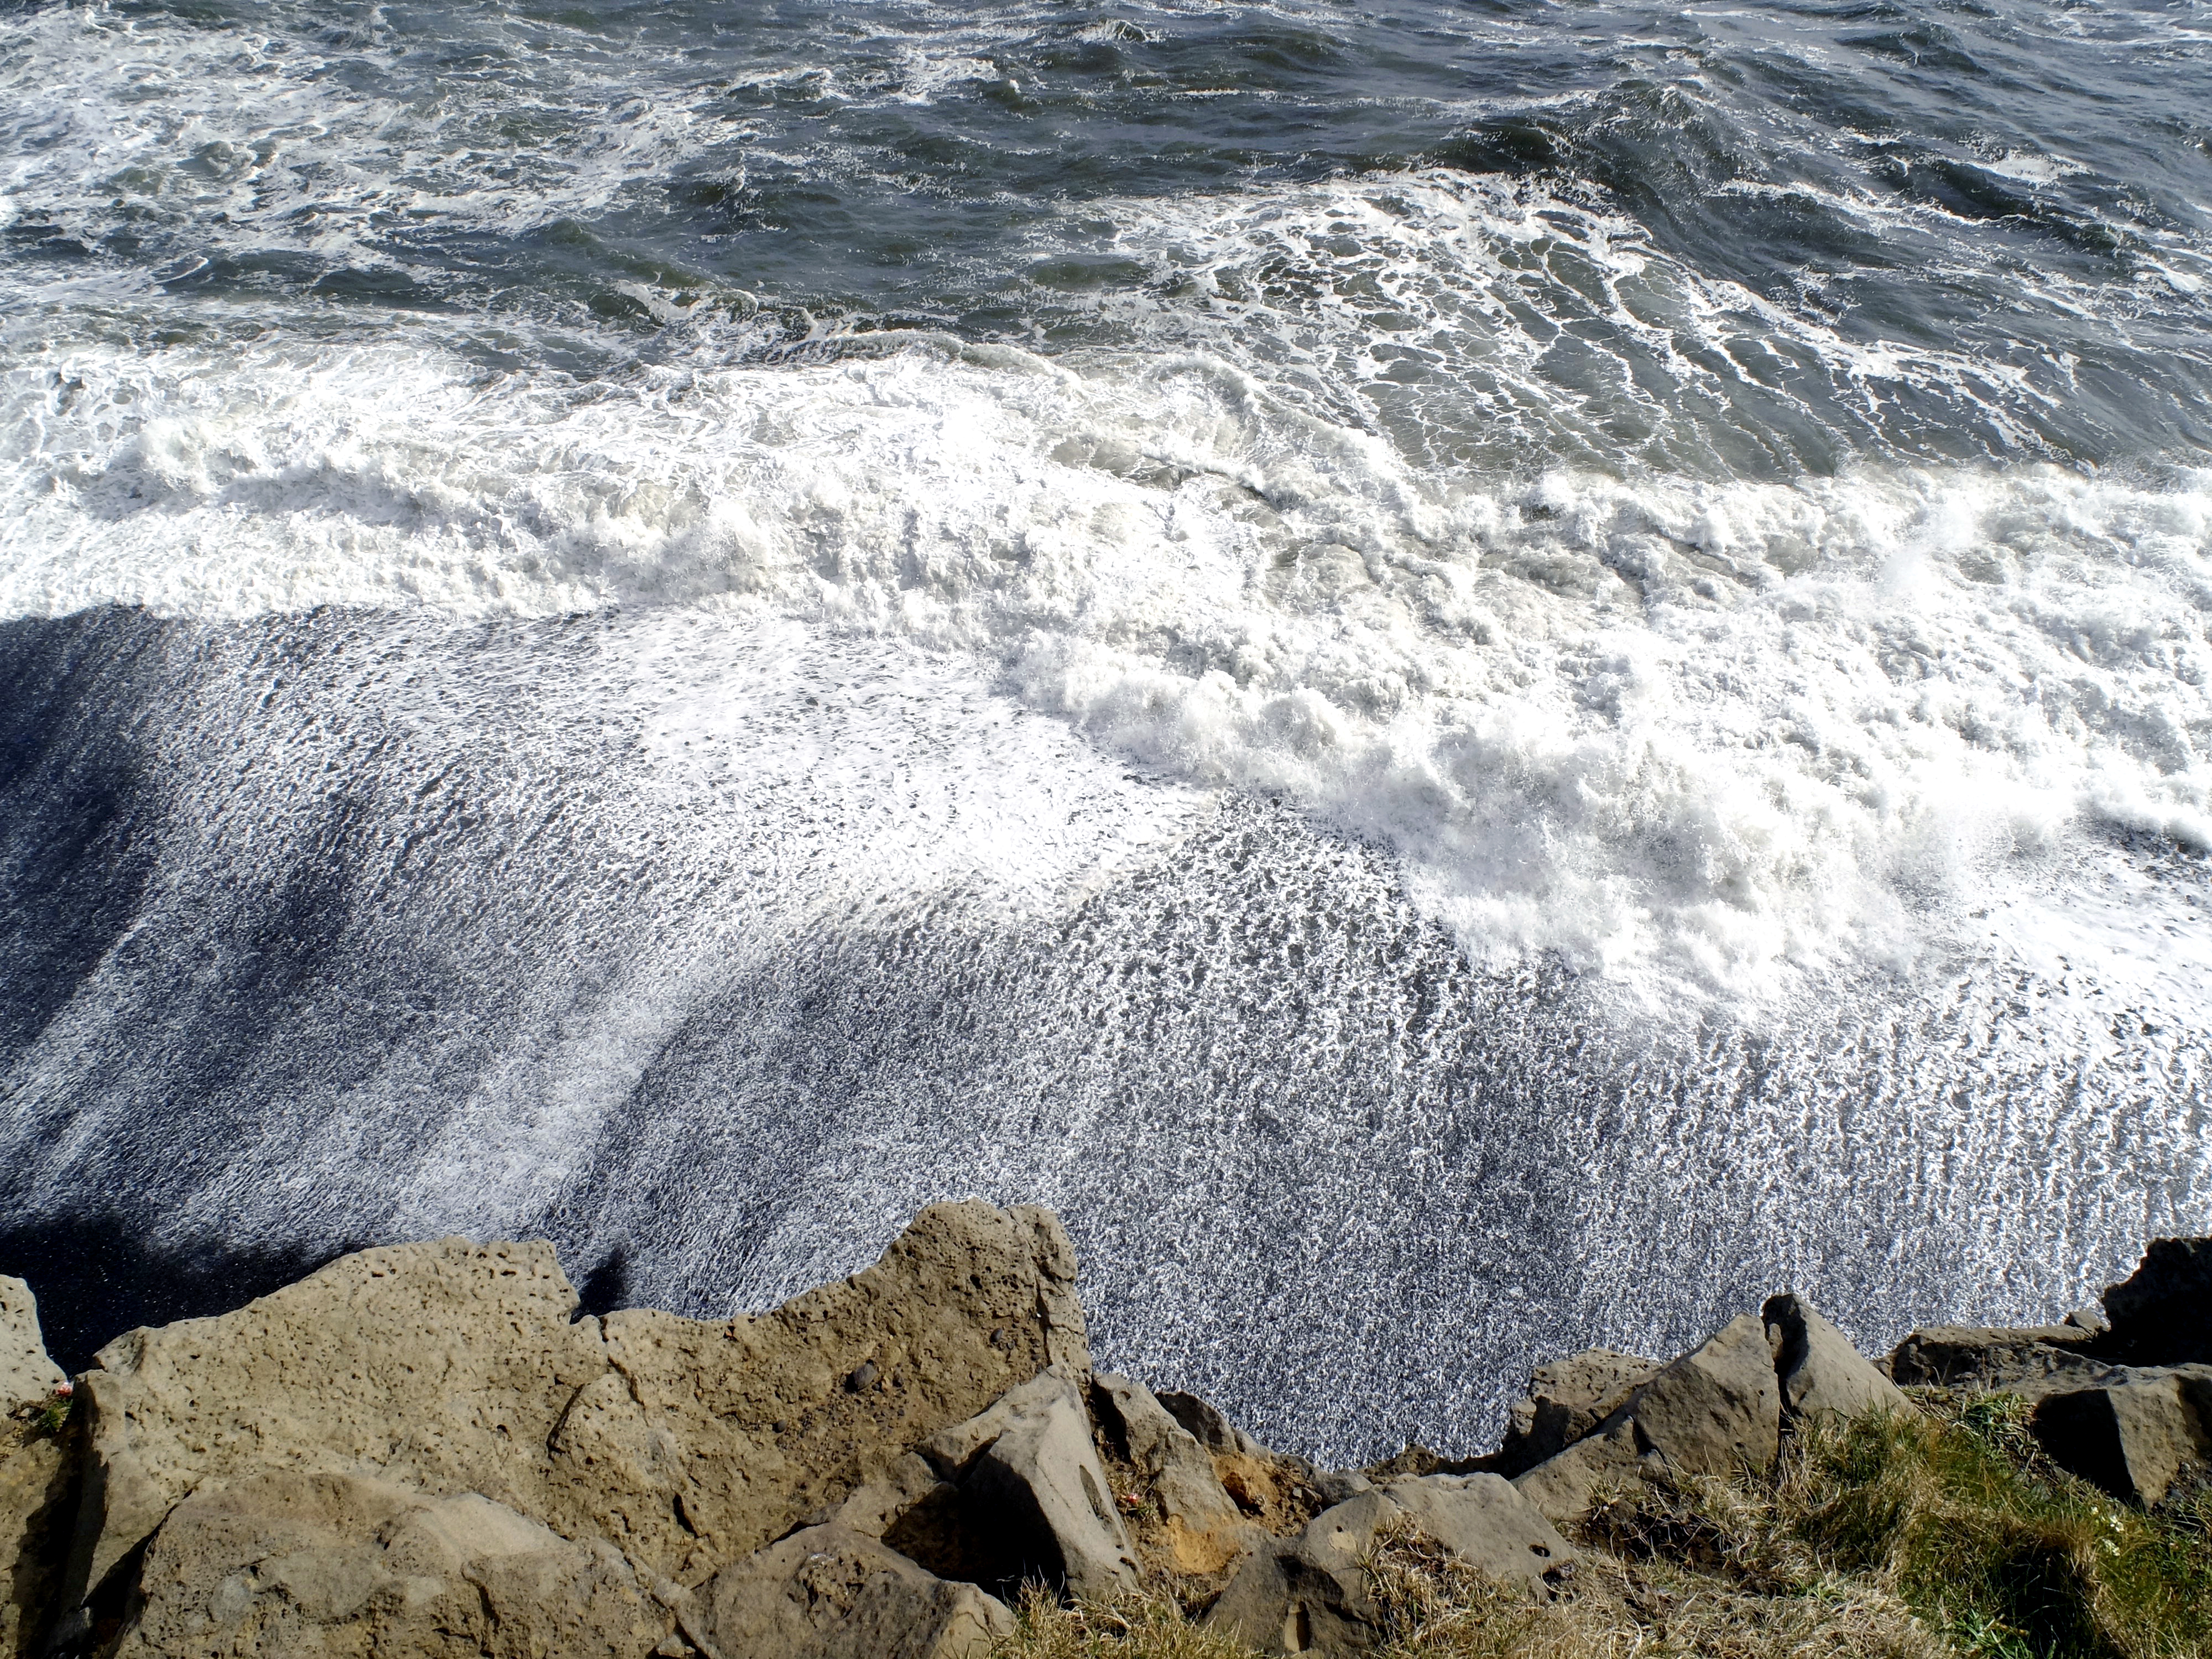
[(830, 1593), (2133, 1433), (1311, 1595), (1207, 1425), (1567, 1486), (966, 1303), (1281, 1601), (2022, 1358), (447, 1364), (39, 1481), (1203, 1529), (25, 1372), (1486, 1523), (878, 1505), (1820, 1371), (454, 1368), (1716, 1409), (298, 1564), (2161, 1314), (1029, 1477), (1566, 1400), (1709, 1413)]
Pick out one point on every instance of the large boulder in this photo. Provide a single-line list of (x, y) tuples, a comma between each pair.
[(777, 1415), (831, 1593), (290, 1563), (1712, 1411), (1820, 1373), (2161, 1314), (1203, 1528), (455, 1368), (1029, 1479), (2134, 1432), (25, 1372), (1311, 1595), (1566, 1400)]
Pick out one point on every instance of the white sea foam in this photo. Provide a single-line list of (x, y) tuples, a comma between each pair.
[(1683, 732)]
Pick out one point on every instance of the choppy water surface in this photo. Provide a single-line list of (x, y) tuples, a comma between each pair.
[(1474, 677)]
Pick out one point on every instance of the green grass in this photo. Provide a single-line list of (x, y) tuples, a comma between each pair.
[(1947, 1533), (2004, 1555)]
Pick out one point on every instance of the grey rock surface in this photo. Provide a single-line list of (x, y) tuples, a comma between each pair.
[(1717, 1408), (1028, 1467), (2133, 1433), (2016, 1359), (300, 1564), (1714, 1410), (39, 1481), (1568, 1398), (1207, 1425), (831, 1593), (1311, 1595), (1281, 1601), (1484, 1521), (1819, 1370), (25, 1372)]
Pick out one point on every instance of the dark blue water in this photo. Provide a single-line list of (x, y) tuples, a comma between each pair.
[(1475, 678)]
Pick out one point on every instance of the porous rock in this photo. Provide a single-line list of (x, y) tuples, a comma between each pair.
[(1027, 1469), (25, 1372), (288, 1562), (2134, 1432), (1203, 1529), (830, 1593), (1566, 1399), (453, 1367), (1310, 1594), (1820, 1371), (1711, 1411), (969, 1302)]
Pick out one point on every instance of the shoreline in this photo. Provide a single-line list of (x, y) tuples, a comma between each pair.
[(935, 1424)]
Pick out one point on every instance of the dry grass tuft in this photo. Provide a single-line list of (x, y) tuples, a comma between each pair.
[(1142, 1624), (1913, 1537)]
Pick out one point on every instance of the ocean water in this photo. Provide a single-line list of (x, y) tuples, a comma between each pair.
[(1474, 677)]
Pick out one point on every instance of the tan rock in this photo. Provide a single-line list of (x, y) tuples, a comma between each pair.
[(1202, 1530), (1310, 1596), (447, 1366), (2135, 1432), (2028, 1359), (457, 1368), (778, 1416), (300, 1563), (25, 1372), (39, 1479), (830, 1593), (1027, 1468)]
